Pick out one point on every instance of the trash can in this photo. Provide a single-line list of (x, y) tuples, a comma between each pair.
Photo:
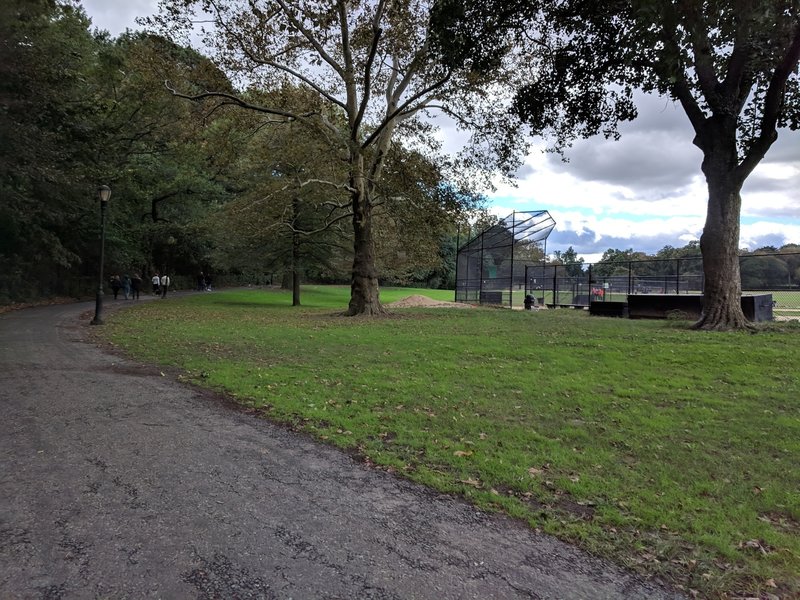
[(529, 302)]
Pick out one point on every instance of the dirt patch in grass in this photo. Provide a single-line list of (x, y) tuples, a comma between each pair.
[(418, 301)]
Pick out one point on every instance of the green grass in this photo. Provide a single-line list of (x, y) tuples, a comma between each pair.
[(672, 452)]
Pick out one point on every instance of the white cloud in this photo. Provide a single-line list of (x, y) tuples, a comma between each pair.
[(115, 16), (647, 191)]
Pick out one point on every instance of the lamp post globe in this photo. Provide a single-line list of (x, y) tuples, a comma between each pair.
[(103, 194)]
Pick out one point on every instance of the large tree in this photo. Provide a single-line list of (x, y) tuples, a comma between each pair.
[(732, 65), (370, 67)]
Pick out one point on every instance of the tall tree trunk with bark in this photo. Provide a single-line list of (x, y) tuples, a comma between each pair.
[(364, 293), (719, 243)]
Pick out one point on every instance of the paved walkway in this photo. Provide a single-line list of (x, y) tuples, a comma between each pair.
[(119, 482)]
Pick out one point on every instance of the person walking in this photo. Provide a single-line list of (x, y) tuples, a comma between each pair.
[(116, 284), (126, 286), (201, 282), (155, 281), (136, 285), (164, 285)]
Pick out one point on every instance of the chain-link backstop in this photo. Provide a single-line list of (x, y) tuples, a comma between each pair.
[(491, 265)]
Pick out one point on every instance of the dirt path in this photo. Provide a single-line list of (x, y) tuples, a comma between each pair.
[(118, 482)]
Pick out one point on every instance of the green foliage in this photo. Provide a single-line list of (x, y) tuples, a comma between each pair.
[(671, 452), (81, 110), (45, 125), (574, 264)]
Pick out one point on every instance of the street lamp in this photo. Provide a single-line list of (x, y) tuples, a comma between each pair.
[(103, 193)]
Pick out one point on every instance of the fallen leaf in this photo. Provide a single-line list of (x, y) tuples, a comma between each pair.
[(483, 436), (462, 453), (470, 481), (533, 471), (771, 583)]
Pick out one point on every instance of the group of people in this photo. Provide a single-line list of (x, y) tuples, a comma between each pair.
[(160, 285), (130, 286), (203, 282)]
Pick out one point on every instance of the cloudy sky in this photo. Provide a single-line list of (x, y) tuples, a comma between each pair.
[(644, 191)]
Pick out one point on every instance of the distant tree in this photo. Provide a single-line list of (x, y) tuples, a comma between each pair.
[(689, 250), (763, 272), (574, 263), (732, 66), (287, 218), (790, 254)]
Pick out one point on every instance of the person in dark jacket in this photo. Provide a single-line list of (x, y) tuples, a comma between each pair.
[(136, 285), (116, 284)]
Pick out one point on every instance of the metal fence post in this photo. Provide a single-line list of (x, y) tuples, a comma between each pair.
[(555, 285), (630, 277)]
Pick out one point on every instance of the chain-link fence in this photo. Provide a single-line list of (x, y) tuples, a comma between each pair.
[(578, 284), (491, 266)]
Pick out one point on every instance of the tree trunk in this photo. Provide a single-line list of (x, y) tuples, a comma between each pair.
[(364, 293), (295, 251), (295, 269), (719, 244)]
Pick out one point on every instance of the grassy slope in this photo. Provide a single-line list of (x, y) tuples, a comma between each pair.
[(674, 452)]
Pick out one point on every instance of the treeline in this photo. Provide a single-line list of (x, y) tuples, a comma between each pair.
[(767, 267), (194, 187)]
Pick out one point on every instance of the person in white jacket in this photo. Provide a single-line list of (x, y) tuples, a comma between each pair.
[(164, 285)]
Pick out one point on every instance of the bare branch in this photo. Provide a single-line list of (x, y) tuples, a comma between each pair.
[(245, 48), (405, 110), (373, 51), (325, 227), (308, 34), (238, 101)]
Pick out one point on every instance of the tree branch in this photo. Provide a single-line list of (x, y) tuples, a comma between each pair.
[(773, 102), (311, 38), (404, 109), (695, 26), (373, 51), (238, 101)]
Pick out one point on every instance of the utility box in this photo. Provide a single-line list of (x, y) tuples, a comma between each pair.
[(756, 307), (608, 309)]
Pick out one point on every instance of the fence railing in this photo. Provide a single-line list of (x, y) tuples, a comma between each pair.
[(578, 284)]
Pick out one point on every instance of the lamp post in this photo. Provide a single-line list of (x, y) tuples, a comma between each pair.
[(103, 193)]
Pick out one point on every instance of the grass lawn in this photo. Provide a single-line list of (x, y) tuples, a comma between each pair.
[(673, 452)]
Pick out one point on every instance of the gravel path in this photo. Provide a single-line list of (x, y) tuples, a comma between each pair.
[(119, 482)]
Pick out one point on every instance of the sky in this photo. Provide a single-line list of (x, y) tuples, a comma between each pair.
[(644, 192)]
